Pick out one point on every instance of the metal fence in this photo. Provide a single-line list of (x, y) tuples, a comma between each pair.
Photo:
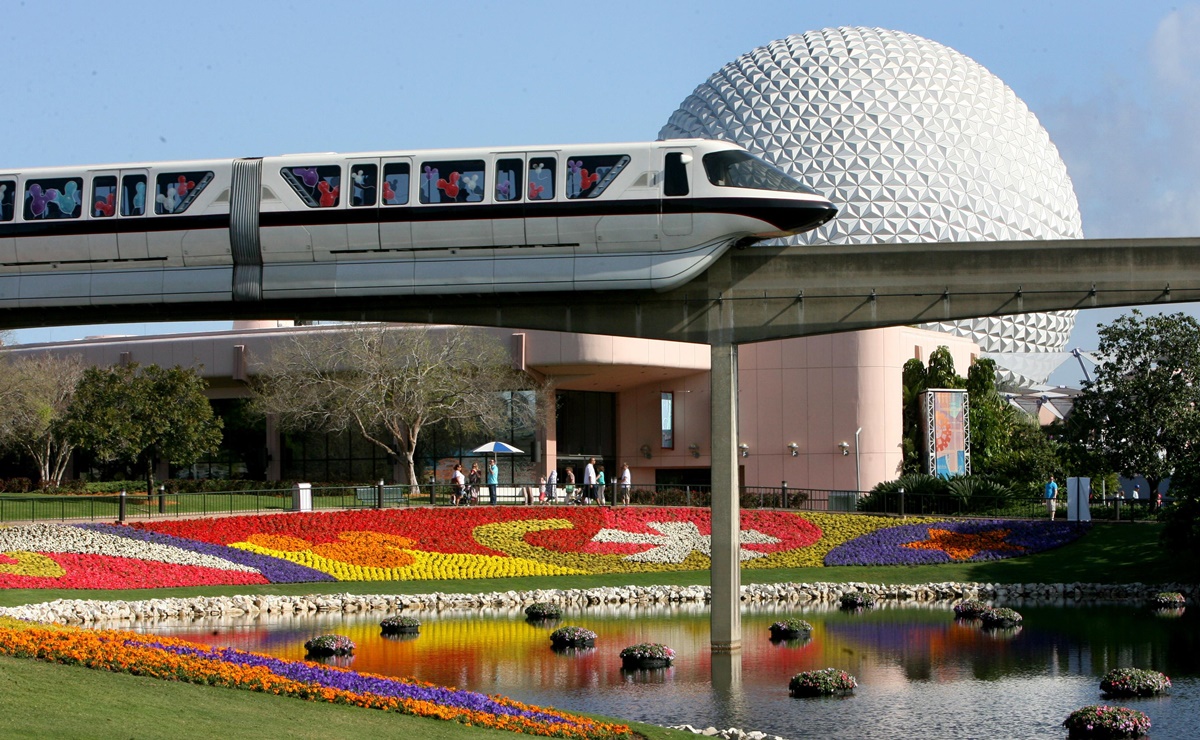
[(110, 507)]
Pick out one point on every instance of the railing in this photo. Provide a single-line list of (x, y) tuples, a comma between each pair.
[(48, 507)]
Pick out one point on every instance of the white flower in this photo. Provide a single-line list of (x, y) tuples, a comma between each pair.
[(677, 541), (65, 538)]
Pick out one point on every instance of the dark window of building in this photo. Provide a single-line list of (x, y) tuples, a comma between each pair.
[(363, 181), (104, 196), (586, 424)]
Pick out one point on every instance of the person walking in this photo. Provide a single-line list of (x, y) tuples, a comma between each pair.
[(569, 487), (493, 480), (600, 484), (551, 484), (1051, 496), (459, 484), (474, 478), (589, 480), (625, 482)]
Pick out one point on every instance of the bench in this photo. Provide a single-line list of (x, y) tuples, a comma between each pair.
[(368, 495)]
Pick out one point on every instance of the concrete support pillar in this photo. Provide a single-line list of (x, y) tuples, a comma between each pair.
[(726, 612)]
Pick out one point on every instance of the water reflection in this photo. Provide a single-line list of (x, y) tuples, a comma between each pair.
[(919, 670)]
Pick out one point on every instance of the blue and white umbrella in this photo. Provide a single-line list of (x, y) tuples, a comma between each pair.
[(495, 447)]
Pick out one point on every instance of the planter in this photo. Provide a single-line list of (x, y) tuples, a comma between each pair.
[(327, 645), (790, 629), (970, 609), (541, 612), (633, 664), (572, 637), (400, 626), (1106, 722), (1000, 618), (856, 601), (1127, 682), (825, 682), (1168, 600), (646, 655)]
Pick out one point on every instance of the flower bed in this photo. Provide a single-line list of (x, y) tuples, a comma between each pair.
[(1000, 618), (572, 637), (400, 625), (1168, 600), (970, 609), (326, 645), (484, 542), (647, 655), (790, 629), (856, 600), (1125, 682), (177, 660), (823, 682), (1102, 721), (541, 611)]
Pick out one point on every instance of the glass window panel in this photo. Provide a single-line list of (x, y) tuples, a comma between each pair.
[(668, 420), (133, 195), (318, 186), (588, 177), (452, 181), (395, 183), (541, 178), (54, 198), (104, 196), (8, 193), (363, 181), (174, 192), (508, 179)]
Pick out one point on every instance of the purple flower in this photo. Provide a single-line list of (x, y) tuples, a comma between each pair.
[(275, 570), (887, 546)]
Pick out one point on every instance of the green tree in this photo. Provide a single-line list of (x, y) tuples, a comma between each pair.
[(390, 382), (139, 415), (35, 394), (1141, 413)]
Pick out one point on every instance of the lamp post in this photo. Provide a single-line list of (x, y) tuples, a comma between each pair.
[(857, 464)]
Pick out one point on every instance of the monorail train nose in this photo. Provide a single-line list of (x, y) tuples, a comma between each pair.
[(789, 217)]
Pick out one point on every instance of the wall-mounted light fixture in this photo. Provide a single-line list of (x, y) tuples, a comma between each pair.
[(844, 447), (645, 449), (695, 449), (745, 449), (794, 448)]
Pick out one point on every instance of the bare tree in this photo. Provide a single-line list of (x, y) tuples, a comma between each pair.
[(35, 394), (388, 382)]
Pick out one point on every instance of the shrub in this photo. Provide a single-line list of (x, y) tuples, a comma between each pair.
[(572, 637), (970, 609), (973, 494), (824, 682), (1102, 721), (330, 645), (393, 625), (1134, 682), (1168, 600), (922, 494), (1000, 618), (542, 610), (856, 600)]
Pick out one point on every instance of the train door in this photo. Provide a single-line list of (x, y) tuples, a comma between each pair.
[(131, 204), (395, 228), (508, 221), (677, 193), (541, 225), (363, 191), (102, 212)]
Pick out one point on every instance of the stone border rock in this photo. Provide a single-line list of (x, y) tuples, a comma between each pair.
[(77, 611), (732, 733)]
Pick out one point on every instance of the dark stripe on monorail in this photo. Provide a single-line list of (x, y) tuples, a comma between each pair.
[(781, 213)]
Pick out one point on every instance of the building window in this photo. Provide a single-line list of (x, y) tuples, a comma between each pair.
[(668, 420)]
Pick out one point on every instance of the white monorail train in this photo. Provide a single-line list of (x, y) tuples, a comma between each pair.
[(587, 217)]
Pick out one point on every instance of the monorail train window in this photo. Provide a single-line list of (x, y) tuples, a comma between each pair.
[(737, 169), (508, 179), (318, 186), (174, 192), (453, 181), (363, 181), (133, 195), (588, 177), (8, 190), (675, 181), (56, 197), (104, 196), (395, 183), (541, 178)]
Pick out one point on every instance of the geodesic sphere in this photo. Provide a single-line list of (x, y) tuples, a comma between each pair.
[(911, 140)]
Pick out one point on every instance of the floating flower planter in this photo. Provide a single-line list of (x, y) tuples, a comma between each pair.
[(1102, 721), (572, 637), (856, 600), (970, 609), (327, 645), (540, 612), (1126, 682), (1168, 600), (824, 682), (1000, 618), (647, 655), (400, 626), (790, 629)]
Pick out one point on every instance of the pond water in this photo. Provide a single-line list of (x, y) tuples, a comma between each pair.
[(920, 672)]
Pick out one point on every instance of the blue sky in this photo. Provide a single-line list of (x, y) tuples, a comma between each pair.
[(1116, 84)]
